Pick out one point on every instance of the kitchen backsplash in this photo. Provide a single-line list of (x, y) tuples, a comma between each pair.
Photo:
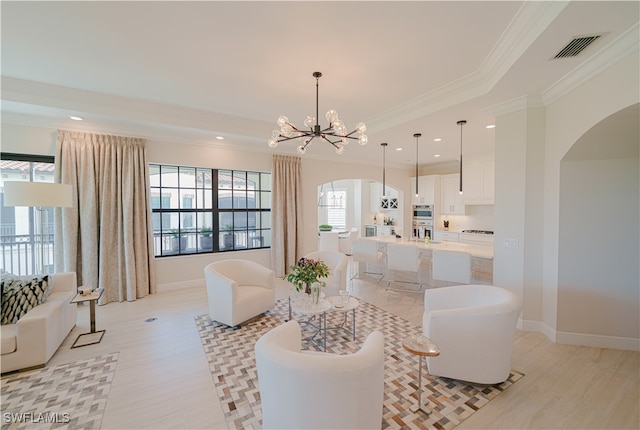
[(477, 217)]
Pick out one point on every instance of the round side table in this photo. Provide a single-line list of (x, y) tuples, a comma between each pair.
[(352, 305), (422, 347), (305, 307)]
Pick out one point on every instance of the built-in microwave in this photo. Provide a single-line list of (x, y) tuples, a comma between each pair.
[(423, 212)]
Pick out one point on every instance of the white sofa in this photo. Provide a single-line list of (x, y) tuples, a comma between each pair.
[(238, 290), (33, 340), (315, 390), (474, 327), (337, 263)]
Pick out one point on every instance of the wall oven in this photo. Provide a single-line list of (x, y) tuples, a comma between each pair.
[(422, 222), (424, 212)]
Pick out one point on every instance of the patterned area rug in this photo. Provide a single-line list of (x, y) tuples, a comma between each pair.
[(232, 364), (70, 396)]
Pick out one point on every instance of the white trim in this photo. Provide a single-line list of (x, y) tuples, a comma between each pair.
[(180, 285), (619, 49), (580, 339), (599, 341)]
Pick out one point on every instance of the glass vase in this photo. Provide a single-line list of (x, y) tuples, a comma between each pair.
[(315, 293)]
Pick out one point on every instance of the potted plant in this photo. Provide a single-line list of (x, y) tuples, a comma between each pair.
[(446, 224), (227, 237), (325, 227), (175, 240), (206, 241), (306, 274)]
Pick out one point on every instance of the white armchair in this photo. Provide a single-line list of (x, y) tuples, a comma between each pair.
[(474, 326), (314, 390), (337, 263), (238, 290)]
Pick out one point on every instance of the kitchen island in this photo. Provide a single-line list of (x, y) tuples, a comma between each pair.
[(481, 257)]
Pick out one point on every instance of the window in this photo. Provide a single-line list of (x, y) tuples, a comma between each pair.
[(18, 237), (197, 210), (337, 208)]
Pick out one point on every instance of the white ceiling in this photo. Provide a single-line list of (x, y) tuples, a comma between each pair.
[(190, 71)]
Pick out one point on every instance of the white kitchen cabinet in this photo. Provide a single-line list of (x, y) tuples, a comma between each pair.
[(451, 201), (378, 203), (445, 236), (426, 190), (476, 239), (385, 230), (478, 181)]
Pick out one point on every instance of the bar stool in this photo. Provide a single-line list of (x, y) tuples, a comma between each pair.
[(451, 266), (366, 251), (404, 259)]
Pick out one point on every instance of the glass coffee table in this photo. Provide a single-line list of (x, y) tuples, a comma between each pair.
[(306, 307), (422, 347)]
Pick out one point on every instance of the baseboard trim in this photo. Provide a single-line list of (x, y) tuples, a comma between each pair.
[(580, 339), (170, 286), (598, 341)]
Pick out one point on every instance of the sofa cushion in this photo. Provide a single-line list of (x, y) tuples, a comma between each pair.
[(20, 295), (8, 336)]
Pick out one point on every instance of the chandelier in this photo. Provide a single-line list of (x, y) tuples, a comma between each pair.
[(336, 134)]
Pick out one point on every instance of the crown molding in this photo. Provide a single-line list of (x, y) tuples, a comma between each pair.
[(528, 23), (620, 48)]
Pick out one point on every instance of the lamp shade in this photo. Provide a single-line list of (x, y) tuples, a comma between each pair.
[(38, 194)]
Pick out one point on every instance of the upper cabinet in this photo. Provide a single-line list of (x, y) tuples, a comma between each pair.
[(450, 199), (478, 183), (380, 202), (426, 190)]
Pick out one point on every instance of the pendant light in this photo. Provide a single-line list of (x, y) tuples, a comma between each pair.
[(417, 136), (461, 123), (384, 168)]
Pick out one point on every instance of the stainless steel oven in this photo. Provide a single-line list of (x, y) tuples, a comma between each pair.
[(422, 230), (422, 222), (423, 212)]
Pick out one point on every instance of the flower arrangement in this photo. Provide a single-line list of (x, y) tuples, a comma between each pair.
[(306, 272)]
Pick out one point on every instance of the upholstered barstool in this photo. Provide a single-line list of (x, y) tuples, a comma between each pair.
[(451, 266), (366, 251), (403, 261)]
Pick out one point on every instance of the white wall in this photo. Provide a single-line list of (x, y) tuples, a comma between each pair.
[(530, 145), (598, 251)]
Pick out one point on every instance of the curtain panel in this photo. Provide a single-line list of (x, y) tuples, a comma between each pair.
[(107, 236), (286, 209)]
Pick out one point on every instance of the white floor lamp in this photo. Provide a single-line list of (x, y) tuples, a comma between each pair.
[(39, 195)]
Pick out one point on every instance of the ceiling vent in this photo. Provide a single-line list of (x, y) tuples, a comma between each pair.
[(576, 46)]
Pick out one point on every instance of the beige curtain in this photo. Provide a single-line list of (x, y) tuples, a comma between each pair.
[(286, 212), (106, 237)]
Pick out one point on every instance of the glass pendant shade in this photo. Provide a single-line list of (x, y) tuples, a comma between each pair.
[(310, 121)]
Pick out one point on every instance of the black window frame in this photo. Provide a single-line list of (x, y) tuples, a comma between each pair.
[(191, 241)]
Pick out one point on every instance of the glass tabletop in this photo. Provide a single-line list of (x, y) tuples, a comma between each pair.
[(420, 345), (307, 307)]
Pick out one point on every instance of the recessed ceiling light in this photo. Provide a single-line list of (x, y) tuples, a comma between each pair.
[(436, 155), (219, 137), (491, 126), (398, 149), (76, 118), (437, 139)]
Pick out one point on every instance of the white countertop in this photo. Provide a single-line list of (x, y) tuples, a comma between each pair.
[(480, 251)]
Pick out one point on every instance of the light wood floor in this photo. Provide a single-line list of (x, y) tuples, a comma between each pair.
[(162, 379)]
